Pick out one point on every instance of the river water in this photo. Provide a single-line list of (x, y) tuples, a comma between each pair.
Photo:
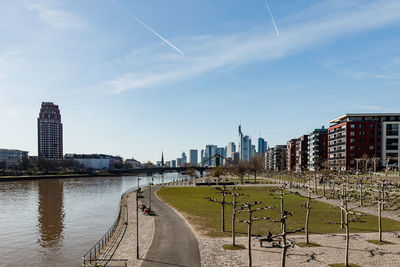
[(53, 222)]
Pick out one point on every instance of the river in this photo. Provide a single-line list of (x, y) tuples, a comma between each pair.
[(52, 222)]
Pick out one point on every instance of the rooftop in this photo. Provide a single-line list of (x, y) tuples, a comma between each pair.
[(339, 119)]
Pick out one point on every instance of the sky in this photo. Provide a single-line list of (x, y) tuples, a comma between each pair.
[(134, 78)]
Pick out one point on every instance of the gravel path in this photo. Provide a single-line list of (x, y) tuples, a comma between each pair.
[(127, 247), (331, 251)]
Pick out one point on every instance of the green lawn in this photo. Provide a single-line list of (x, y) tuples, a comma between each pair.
[(206, 215)]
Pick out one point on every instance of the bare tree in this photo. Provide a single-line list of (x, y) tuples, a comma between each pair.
[(256, 165), (283, 221), (356, 217), (307, 205), (223, 191), (235, 208), (240, 168), (250, 209), (217, 172), (361, 186)]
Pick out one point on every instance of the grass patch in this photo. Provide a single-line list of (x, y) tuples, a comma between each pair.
[(343, 265), (232, 247), (305, 245), (205, 216), (377, 242)]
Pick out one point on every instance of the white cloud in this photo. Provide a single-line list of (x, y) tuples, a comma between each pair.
[(56, 18), (204, 54)]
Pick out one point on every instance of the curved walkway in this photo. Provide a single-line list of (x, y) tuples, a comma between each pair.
[(174, 243)]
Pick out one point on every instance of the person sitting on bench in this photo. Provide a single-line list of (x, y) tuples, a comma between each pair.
[(269, 237)]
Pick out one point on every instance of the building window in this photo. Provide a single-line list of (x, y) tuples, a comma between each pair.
[(392, 144), (352, 140), (352, 133), (371, 147), (352, 126), (392, 129)]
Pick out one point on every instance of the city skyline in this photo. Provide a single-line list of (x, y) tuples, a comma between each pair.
[(119, 85)]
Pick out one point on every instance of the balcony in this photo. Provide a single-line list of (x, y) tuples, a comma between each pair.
[(338, 130), (337, 137), (337, 151)]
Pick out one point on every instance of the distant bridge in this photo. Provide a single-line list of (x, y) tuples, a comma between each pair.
[(158, 169), (150, 171)]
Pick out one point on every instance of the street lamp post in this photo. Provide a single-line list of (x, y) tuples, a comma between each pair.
[(150, 197), (137, 221)]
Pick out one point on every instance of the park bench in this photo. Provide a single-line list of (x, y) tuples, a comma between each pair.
[(275, 242)]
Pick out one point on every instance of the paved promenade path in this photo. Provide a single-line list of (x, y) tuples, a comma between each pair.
[(174, 243)]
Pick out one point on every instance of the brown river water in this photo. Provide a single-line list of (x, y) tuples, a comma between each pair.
[(53, 222)]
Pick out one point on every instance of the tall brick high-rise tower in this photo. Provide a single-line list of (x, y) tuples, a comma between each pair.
[(50, 134)]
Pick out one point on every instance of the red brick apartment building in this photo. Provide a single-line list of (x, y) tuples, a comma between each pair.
[(291, 155), (358, 135)]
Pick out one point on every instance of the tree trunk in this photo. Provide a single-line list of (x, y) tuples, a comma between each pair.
[(347, 239), (282, 210), (361, 194), (342, 215), (380, 220), (255, 177), (249, 244), (223, 213), (316, 186), (233, 228), (284, 249), (307, 218)]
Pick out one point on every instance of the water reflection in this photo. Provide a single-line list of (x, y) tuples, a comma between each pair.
[(51, 212), (53, 222)]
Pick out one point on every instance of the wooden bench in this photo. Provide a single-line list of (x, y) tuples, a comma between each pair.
[(275, 242)]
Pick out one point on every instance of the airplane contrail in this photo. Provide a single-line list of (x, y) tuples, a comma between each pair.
[(272, 17), (147, 27)]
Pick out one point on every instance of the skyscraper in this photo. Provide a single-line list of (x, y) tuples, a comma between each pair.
[(50, 132), (184, 158), (262, 146), (193, 157), (245, 147), (209, 152), (231, 148)]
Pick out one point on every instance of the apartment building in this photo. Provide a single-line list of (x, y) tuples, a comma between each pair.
[(318, 149), (363, 135), (291, 155), (302, 153), (269, 159), (280, 157)]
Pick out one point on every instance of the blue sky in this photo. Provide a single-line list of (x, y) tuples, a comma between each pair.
[(123, 90)]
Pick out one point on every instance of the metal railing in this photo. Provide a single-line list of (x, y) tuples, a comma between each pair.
[(90, 256), (115, 263)]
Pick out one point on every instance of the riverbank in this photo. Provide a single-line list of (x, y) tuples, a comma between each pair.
[(153, 233), (50, 176), (125, 248)]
